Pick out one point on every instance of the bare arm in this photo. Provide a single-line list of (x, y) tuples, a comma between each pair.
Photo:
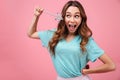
[(107, 66), (32, 30)]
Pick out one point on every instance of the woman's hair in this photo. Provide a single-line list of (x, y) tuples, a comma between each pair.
[(62, 31)]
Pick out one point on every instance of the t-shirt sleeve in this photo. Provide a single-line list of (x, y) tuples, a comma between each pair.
[(93, 50), (45, 36)]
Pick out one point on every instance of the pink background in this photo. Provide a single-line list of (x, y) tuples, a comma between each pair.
[(22, 58)]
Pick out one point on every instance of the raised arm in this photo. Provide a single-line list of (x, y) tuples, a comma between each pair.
[(32, 30)]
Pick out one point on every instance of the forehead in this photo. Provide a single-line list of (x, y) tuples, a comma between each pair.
[(73, 9)]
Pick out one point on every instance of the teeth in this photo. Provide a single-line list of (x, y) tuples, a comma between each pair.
[(72, 26)]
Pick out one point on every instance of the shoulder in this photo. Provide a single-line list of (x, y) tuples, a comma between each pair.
[(52, 30), (47, 32), (90, 41)]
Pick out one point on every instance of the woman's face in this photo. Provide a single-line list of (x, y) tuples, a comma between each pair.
[(72, 19)]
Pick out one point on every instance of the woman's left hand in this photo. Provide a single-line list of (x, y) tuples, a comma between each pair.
[(84, 70)]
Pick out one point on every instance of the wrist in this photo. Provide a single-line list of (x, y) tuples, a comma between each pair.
[(35, 15)]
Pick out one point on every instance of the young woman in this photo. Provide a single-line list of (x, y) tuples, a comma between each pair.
[(71, 45)]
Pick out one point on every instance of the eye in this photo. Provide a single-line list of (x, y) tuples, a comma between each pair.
[(77, 16), (68, 16)]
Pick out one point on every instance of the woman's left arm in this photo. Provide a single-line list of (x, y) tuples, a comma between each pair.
[(108, 65)]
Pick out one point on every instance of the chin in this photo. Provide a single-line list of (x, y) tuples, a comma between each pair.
[(72, 32)]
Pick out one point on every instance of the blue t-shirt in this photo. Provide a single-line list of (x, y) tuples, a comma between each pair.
[(69, 59)]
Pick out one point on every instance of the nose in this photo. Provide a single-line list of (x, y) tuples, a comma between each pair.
[(72, 19)]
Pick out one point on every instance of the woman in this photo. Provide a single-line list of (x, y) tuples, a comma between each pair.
[(71, 45)]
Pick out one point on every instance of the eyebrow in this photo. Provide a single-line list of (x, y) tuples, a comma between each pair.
[(75, 12)]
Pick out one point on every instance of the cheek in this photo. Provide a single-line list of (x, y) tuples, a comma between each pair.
[(66, 21), (79, 21)]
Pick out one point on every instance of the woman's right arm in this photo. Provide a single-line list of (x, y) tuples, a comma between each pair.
[(32, 30)]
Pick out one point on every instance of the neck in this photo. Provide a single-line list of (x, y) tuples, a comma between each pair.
[(70, 35)]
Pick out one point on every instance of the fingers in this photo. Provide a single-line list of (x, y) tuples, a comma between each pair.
[(38, 11), (84, 70)]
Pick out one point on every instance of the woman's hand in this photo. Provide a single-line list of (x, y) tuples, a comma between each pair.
[(84, 70), (38, 11)]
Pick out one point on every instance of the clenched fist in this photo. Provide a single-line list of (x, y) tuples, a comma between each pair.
[(38, 11)]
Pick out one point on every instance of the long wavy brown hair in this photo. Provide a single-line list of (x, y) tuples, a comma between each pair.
[(62, 31)]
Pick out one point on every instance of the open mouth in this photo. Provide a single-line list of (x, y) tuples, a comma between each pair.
[(72, 26)]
